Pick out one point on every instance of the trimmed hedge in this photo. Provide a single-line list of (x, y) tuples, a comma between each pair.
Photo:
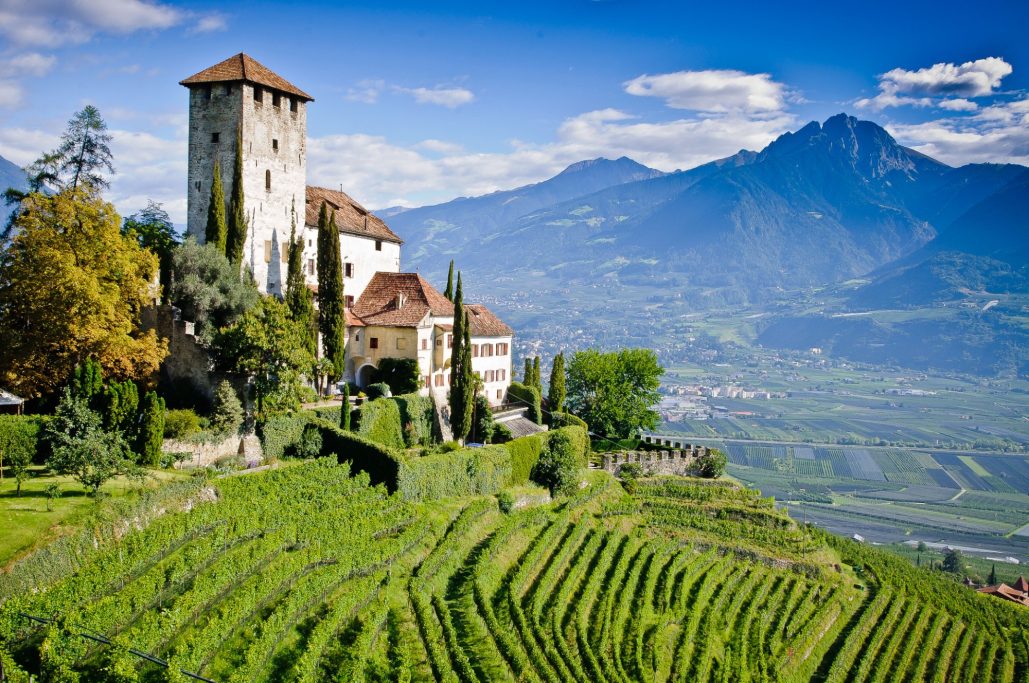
[(527, 396), (327, 413), (280, 434), (469, 471), (382, 464), (415, 419), (525, 451), (567, 420), (379, 422), (24, 428)]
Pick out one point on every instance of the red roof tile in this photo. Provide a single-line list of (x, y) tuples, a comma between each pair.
[(351, 217), (482, 322), (243, 67), (379, 305)]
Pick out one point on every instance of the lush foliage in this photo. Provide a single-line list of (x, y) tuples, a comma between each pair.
[(711, 465), (208, 288), (401, 374), (557, 391), (150, 434), (379, 422), (72, 287), (227, 415), (267, 345), (299, 298), (179, 424), (152, 229), (236, 232), (415, 419), (462, 381), (483, 425), (559, 467), (377, 390), (345, 409), (280, 434), (615, 392), (526, 450), (216, 230), (18, 438), (379, 462), (331, 302), (468, 471), (527, 396)]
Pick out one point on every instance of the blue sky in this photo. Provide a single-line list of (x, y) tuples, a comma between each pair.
[(421, 102)]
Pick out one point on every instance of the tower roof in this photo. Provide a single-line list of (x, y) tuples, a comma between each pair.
[(243, 67)]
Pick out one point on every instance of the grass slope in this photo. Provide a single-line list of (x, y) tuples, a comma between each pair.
[(308, 574)]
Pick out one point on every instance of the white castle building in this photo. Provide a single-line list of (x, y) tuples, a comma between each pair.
[(239, 96)]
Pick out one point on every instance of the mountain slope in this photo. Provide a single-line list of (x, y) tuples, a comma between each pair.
[(11, 175)]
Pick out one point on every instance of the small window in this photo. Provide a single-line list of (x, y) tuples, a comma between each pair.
[(425, 381), (348, 270), (450, 341), (275, 145), (267, 251), (308, 242), (207, 93), (276, 99), (258, 94), (348, 301), (500, 394), (475, 350), (373, 343), (197, 185), (268, 181), (439, 342), (401, 344), (215, 137), (425, 345), (439, 380), (310, 266), (378, 245), (293, 105)]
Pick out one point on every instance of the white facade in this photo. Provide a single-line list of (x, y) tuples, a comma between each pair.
[(491, 361), (273, 127), (362, 258)]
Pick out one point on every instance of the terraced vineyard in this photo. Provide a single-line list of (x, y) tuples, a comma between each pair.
[(307, 574)]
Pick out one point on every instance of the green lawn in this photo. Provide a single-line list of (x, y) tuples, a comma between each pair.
[(25, 522)]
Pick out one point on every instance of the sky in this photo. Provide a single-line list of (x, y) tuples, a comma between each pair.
[(417, 103)]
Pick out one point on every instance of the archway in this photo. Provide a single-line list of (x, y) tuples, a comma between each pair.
[(364, 375)]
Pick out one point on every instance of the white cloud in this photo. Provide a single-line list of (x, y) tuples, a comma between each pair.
[(997, 134), (713, 91), (56, 23), (939, 84), (366, 91), (11, 94), (209, 23), (443, 96), (28, 64), (958, 104)]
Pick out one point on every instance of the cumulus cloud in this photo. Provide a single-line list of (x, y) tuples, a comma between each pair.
[(946, 85), (996, 134), (366, 91), (713, 91), (28, 64), (11, 94), (209, 23), (443, 96), (56, 23)]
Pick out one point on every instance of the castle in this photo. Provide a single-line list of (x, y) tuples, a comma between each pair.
[(389, 314)]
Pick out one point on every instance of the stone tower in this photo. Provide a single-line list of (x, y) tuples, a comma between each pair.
[(270, 114)]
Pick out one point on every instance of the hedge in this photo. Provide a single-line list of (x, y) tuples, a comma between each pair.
[(526, 396), (567, 420), (280, 434), (469, 471), (327, 413), (382, 464), (25, 427), (525, 451), (379, 422), (415, 419)]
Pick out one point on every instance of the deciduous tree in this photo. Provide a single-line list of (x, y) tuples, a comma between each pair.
[(72, 287), (615, 392), (208, 289), (153, 229)]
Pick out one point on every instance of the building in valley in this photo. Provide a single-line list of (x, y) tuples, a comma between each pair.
[(401, 315)]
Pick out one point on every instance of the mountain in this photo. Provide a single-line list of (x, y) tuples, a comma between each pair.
[(11, 175), (435, 233)]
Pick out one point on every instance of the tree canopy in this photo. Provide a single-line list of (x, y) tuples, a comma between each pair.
[(208, 288), (615, 392), (153, 229), (72, 287)]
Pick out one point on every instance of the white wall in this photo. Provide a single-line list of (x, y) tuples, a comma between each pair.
[(357, 250), (497, 389)]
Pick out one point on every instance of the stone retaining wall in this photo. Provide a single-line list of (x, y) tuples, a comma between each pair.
[(677, 462)]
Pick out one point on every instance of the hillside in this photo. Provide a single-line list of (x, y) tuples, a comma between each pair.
[(306, 574), (11, 175)]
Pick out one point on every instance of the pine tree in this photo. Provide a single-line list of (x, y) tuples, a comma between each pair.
[(87, 380), (344, 411), (85, 149), (331, 320), (556, 393), (449, 291), (457, 394), (536, 381), (217, 229), (299, 298), (228, 411), (236, 235), (151, 430)]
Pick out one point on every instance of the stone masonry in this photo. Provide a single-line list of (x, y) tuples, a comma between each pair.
[(677, 462)]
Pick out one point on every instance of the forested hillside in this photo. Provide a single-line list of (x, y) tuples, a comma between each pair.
[(307, 574)]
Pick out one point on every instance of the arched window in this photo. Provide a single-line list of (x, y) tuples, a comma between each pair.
[(268, 180)]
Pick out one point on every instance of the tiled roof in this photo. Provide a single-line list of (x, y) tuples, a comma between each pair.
[(378, 304), (1021, 585), (353, 320), (351, 217), (1007, 592), (243, 67), (483, 323)]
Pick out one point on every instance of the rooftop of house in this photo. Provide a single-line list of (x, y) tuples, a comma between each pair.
[(351, 217), (243, 67), (1018, 593), (483, 323)]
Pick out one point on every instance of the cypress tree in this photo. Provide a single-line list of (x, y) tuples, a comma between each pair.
[(217, 229), (527, 373), (344, 411), (87, 380), (300, 299), (457, 408), (236, 235), (331, 320), (992, 581), (151, 429), (468, 384), (556, 393), (449, 291), (536, 381)]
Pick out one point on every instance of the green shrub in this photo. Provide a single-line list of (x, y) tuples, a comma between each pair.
[(528, 397), (377, 390), (566, 420), (483, 426), (379, 422), (401, 374), (415, 418), (505, 501), (501, 433), (22, 431), (558, 467), (524, 452), (280, 434), (228, 411), (469, 471), (178, 424), (712, 465), (381, 464), (327, 413), (310, 445)]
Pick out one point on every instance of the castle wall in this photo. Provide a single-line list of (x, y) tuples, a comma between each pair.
[(677, 462)]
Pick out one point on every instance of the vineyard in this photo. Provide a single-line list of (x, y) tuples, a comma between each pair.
[(309, 574)]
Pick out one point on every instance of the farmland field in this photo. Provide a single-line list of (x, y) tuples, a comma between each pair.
[(307, 574)]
